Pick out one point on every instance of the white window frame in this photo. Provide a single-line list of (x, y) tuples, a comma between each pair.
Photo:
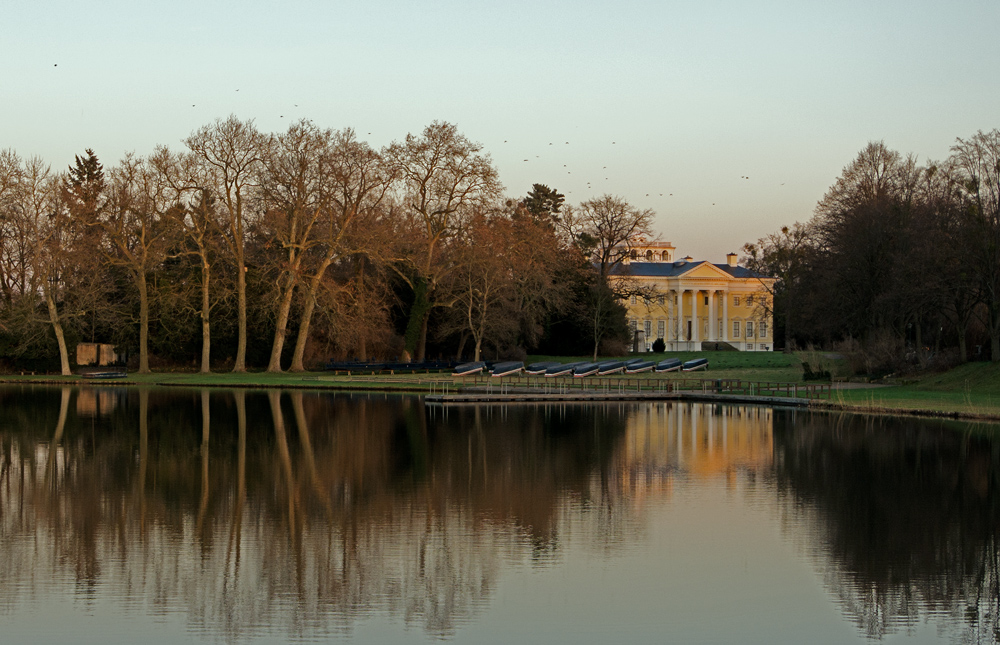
[(762, 329), (749, 328), (736, 301), (736, 329), (661, 328)]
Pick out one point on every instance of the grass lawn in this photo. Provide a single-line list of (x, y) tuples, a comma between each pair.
[(971, 389)]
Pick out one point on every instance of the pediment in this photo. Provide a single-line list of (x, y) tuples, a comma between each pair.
[(706, 270)]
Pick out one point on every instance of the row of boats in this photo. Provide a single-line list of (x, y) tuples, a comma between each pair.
[(582, 369)]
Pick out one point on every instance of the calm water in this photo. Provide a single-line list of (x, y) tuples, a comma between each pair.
[(216, 516)]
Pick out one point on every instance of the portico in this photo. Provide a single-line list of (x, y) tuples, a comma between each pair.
[(701, 303)]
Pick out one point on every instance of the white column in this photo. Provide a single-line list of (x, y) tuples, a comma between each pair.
[(695, 332), (713, 323), (671, 312), (726, 332), (680, 316)]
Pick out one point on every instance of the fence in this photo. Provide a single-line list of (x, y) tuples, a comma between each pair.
[(597, 384)]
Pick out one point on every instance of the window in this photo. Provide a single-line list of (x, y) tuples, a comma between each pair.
[(762, 329), (721, 331), (647, 328), (749, 329), (736, 329), (649, 256), (749, 301), (749, 347), (634, 254), (661, 328), (633, 302), (660, 300), (631, 325), (736, 301), (665, 256), (706, 301)]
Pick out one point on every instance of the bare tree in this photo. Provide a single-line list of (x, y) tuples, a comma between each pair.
[(230, 153), (134, 223), (443, 177), (782, 255), (977, 159), (609, 226), (291, 181), (355, 183), (52, 238)]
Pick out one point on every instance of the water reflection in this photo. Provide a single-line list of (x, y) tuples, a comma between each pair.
[(298, 514), (234, 506), (905, 514)]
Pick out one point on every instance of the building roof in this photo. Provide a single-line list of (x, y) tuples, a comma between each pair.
[(677, 269)]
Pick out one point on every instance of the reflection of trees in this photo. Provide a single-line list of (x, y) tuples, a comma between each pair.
[(908, 514), (239, 507)]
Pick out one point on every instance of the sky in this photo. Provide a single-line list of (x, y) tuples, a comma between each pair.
[(728, 119)]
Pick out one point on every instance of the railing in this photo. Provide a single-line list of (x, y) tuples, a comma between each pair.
[(619, 385)]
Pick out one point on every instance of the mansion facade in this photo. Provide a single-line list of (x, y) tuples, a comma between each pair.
[(695, 304)]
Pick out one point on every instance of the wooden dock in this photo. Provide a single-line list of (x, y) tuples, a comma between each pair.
[(517, 395)]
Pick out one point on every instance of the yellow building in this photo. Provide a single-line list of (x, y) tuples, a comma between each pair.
[(694, 304)]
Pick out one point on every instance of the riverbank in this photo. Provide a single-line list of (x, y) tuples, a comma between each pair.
[(970, 391)]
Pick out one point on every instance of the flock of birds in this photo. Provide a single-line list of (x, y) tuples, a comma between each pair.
[(590, 184), (568, 172)]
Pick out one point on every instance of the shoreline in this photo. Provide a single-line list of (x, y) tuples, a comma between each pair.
[(439, 389)]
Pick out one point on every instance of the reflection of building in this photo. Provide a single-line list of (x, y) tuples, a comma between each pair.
[(697, 303), (697, 439), (94, 402)]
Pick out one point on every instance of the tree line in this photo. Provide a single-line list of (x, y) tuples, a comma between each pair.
[(900, 259), (249, 249)]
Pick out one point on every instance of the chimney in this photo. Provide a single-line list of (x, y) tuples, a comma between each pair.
[(731, 259)]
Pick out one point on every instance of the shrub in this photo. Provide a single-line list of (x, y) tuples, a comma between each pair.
[(659, 346)]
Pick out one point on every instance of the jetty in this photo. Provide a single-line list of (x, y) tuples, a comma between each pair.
[(528, 389)]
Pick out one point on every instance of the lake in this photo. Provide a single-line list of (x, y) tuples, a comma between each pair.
[(215, 516)]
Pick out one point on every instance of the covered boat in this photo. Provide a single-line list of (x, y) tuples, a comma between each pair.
[(668, 365), (507, 368), (610, 367), (562, 369), (586, 369), (539, 368), (640, 367), (696, 364), (469, 369)]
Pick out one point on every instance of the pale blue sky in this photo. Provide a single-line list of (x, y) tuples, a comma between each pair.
[(682, 98)]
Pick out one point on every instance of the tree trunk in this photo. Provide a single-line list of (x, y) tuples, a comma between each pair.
[(422, 346), (307, 313), (58, 331), (274, 364), (143, 323), (206, 336), (461, 346), (241, 290), (416, 326)]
